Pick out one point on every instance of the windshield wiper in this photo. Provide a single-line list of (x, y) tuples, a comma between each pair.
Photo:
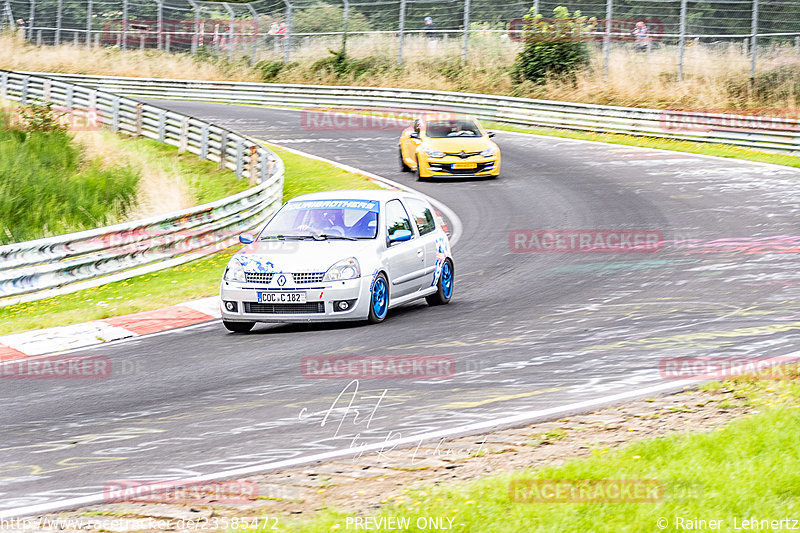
[(324, 236), (284, 237)]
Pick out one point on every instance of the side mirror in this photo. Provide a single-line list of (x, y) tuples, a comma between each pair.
[(490, 133), (400, 235), (414, 135), (247, 238)]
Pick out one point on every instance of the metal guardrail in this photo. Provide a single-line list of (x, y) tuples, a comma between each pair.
[(56, 265), (773, 134)]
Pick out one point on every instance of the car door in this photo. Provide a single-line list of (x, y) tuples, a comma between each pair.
[(425, 224), (405, 260)]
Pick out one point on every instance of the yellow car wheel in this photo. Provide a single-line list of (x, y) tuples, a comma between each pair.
[(403, 166), (420, 177)]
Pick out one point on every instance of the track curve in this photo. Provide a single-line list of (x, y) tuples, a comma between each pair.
[(528, 331)]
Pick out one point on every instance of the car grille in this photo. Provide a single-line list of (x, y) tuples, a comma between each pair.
[(284, 309), (464, 156), (308, 277), (257, 277), (299, 277)]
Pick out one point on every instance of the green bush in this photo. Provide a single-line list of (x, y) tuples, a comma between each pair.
[(554, 48), (343, 66), (46, 187), (270, 70)]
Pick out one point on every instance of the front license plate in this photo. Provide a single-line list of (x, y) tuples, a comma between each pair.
[(281, 297), (463, 165)]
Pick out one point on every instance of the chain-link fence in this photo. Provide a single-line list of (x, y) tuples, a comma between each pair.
[(684, 34)]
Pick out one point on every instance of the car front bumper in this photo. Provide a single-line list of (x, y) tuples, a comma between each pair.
[(321, 300), (446, 166)]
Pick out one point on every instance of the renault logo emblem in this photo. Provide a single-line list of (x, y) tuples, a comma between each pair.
[(462, 154), (281, 280)]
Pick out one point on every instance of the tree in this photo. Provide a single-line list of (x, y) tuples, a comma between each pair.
[(553, 47)]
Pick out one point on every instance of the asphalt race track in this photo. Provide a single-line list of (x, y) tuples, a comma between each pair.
[(528, 331)]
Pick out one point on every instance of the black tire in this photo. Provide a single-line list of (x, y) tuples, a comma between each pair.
[(238, 327), (444, 290), (376, 316), (403, 166)]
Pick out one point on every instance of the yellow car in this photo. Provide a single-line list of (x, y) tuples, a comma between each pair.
[(448, 146)]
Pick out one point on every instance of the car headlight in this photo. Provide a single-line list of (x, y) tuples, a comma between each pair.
[(489, 152), (430, 152), (344, 269), (234, 271)]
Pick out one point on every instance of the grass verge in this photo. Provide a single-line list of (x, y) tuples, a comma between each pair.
[(48, 184), (174, 285), (747, 469)]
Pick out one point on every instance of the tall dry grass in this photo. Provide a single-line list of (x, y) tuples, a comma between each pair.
[(17, 55), (716, 76)]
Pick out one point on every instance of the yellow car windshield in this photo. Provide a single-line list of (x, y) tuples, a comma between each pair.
[(439, 129)]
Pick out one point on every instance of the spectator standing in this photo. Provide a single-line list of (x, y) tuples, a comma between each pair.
[(21, 29), (641, 36), (430, 33)]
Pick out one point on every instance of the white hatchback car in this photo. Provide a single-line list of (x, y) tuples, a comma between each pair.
[(343, 255)]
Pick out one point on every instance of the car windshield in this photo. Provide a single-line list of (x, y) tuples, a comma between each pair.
[(324, 219), (439, 129)]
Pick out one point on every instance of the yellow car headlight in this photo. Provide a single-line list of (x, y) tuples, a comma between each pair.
[(489, 152), (436, 154)]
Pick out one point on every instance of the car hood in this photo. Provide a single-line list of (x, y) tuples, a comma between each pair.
[(456, 144), (302, 256)]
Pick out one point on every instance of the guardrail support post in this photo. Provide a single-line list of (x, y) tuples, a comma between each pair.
[(184, 140), (252, 166), (162, 125), (204, 141), (23, 98), (4, 85), (46, 90), (69, 97), (138, 131), (93, 100), (266, 165), (239, 158), (223, 149), (115, 114)]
